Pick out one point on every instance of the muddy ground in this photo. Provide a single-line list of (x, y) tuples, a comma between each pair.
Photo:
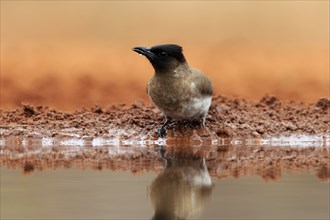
[(228, 117)]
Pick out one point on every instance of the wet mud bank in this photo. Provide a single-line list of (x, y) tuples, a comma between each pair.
[(227, 118)]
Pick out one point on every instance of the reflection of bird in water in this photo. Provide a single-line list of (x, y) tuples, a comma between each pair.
[(181, 190)]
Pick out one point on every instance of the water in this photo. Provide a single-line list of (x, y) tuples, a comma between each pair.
[(253, 180)]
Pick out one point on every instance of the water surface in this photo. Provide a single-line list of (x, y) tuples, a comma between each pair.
[(88, 194), (230, 179)]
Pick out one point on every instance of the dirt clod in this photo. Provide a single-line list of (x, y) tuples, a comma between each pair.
[(269, 100), (28, 110), (323, 103), (97, 109)]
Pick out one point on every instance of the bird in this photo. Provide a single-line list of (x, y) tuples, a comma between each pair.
[(182, 93)]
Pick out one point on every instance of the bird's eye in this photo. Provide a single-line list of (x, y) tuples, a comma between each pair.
[(162, 54)]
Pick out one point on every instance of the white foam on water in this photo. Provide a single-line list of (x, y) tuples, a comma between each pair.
[(2, 142), (215, 142), (100, 142), (236, 142), (47, 142), (72, 142), (280, 141), (292, 141)]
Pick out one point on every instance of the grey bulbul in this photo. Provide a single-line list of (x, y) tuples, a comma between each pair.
[(179, 91)]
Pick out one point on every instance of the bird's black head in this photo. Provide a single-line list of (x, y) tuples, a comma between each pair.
[(165, 57)]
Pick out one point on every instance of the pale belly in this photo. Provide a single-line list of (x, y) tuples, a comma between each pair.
[(194, 109)]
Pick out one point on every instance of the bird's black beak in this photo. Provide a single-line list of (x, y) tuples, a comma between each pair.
[(145, 51)]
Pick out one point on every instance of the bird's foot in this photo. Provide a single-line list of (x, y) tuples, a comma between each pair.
[(162, 132)]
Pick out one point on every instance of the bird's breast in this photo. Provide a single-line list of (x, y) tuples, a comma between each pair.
[(194, 108), (178, 97)]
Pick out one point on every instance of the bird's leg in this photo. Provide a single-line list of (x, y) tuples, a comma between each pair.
[(203, 120), (162, 130)]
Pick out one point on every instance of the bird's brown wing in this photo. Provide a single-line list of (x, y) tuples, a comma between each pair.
[(203, 84)]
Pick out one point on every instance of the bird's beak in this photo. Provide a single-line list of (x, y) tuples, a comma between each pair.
[(145, 51)]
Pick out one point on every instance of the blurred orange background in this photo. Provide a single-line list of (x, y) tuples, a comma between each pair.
[(68, 54)]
